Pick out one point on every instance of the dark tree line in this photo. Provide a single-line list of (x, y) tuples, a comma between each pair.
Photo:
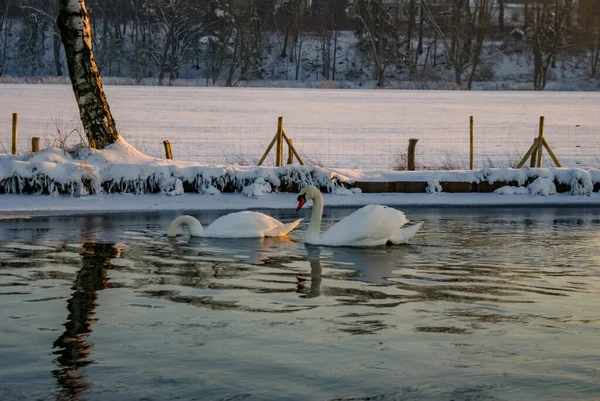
[(227, 42)]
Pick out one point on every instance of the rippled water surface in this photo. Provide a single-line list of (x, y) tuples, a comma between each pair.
[(484, 304)]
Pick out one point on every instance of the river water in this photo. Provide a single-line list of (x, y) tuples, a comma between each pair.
[(483, 304)]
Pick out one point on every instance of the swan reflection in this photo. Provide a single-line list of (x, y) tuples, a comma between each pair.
[(374, 265), (248, 250), (314, 290)]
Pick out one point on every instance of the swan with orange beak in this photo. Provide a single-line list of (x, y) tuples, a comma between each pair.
[(371, 225)]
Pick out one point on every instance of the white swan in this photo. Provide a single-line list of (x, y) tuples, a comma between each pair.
[(371, 225), (235, 225)]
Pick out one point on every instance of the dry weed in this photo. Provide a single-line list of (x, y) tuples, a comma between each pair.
[(60, 137), (327, 85), (242, 160)]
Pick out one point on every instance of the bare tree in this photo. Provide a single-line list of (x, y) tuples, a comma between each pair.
[(328, 16), (482, 10), (76, 34), (31, 37), (217, 39), (548, 35), (461, 37), (108, 18), (234, 38), (589, 19), (47, 12), (292, 10), (140, 39), (6, 25), (380, 23), (594, 46), (469, 23), (501, 15), (177, 24)]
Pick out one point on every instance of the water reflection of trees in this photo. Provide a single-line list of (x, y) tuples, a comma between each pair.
[(73, 350)]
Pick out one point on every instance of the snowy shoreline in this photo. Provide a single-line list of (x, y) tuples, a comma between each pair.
[(17, 206), (120, 168), (52, 181)]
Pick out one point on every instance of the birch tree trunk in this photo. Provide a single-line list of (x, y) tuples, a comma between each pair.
[(76, 35)]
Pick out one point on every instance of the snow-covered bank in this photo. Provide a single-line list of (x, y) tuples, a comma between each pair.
[(119, 178), (120, 168)]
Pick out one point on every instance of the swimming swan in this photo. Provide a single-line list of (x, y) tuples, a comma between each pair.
[(235, 225), (371, 225)]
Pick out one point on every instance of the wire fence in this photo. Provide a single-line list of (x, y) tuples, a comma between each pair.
[(368, 146)]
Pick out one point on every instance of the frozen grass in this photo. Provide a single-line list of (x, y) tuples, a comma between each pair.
[(327, 85)]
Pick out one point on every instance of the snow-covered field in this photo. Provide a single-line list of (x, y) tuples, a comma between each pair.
[(333, 128)]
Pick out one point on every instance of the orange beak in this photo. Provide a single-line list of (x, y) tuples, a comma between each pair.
[(301, 202)]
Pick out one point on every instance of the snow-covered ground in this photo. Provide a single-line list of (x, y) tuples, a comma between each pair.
[(362, 129), (207, 126)]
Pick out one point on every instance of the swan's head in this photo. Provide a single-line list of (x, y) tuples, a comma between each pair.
[(306, 194)]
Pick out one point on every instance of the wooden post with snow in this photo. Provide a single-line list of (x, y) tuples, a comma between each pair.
[(35, 144), (472, 143), (279, 157), (540, 142), (15, 132), (168, 153), (412, 144), (278, 139)]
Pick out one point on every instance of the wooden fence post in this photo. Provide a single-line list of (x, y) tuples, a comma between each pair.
[(35, 144), (264, 156), (540, 142), (551, 153), (293, 149), (290, 153), (279, 157), (168, 153), (15, 131), (278, 139), (534, 153), (412, 144), (472, 143)]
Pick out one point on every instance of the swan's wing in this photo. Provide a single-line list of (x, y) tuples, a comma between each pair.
[(283, 229), (242, 225), (372, 224), (405, 234)]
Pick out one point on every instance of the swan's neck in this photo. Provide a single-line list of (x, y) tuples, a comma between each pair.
[(192, 224), (314, 227)]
